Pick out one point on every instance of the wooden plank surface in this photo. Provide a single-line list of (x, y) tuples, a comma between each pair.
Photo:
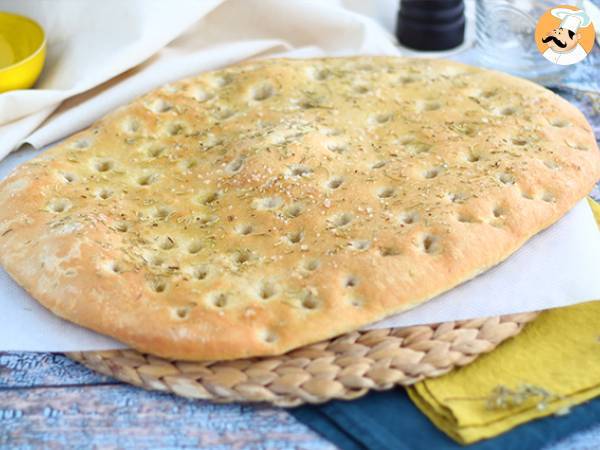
[(48, 401), (28, 369)]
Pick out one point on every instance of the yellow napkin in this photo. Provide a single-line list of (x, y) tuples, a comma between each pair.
[(552, 365)]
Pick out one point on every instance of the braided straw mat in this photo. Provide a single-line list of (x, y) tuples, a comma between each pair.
[(346, 367)]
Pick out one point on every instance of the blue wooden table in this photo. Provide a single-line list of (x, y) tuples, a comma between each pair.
[(49, 401)]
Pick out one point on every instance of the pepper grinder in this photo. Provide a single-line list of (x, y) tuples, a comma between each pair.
[(431, 24)]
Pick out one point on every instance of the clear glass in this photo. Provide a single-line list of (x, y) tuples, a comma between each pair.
[(505, 38)]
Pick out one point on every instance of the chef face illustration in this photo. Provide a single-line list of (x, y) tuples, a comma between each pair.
[(561, 40)]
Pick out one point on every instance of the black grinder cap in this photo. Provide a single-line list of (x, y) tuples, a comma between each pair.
[(431, 24)]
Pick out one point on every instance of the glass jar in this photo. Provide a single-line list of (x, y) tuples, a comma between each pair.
[(505, 38)]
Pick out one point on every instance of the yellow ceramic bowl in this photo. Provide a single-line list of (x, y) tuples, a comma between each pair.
[(22, 51)]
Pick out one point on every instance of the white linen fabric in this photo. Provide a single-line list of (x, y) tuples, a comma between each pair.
[(104, 54)]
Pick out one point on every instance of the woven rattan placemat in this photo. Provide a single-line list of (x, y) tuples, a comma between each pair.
[(342, 368)]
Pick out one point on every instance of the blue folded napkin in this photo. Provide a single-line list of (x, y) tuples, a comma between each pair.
[(389, 420)]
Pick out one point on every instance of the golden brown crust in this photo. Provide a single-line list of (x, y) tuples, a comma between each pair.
[(277, 203)]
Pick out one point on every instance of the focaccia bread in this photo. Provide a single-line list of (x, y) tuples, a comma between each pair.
[(273, 204)]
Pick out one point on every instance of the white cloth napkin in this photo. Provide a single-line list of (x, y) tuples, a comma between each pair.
[(103, 54), (92, 42)]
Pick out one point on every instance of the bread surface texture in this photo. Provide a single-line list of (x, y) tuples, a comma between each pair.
[(276, 203)]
